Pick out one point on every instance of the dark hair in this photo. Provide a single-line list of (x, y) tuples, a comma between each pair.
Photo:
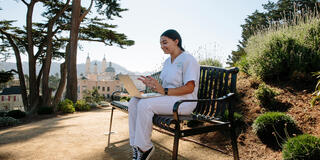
[(174, 35)]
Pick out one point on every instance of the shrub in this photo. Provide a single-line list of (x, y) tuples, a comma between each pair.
[(8, 121), (303, 147), (280, 52), (237, 117), (244, 65), (125, 99), (266, 95), (274, 127), (210, 62), (17, 114), (93, 105), (3, 113), (66, 106), (81, 105), (68, 109), (45, 110)]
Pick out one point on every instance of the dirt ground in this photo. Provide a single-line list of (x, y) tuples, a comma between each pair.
[(80, 136)]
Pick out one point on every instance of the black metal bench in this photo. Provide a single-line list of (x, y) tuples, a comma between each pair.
[(216, 91)]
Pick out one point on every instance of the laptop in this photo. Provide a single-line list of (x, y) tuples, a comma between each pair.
[(132, 88)]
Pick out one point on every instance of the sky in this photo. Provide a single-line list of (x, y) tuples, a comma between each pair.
[(209, 29)]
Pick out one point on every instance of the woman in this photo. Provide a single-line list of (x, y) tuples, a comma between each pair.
[(180, 80)]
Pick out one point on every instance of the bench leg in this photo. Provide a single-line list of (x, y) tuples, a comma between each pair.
[(234, 144), (176, 141), (109, 134), (175, 147)]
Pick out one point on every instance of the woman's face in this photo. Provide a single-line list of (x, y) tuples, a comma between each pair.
[(168, 45)]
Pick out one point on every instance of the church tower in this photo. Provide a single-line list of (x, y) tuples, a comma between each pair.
[(88, 65), (104, 64), (95, 68)]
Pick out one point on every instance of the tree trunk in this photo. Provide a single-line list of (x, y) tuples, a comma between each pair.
[(62, 83), (20, 70), (34, 90), (72, 57), (57, 97), (22, 82), (46, 96), (46, 91)]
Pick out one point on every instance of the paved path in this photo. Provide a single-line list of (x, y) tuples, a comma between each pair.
[(80, 136)]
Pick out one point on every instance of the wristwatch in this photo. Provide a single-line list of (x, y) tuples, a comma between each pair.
[(165, 91)]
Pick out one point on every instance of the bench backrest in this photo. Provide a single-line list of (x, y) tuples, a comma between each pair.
[(214, 82)]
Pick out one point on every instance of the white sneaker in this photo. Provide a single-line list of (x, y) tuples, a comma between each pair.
[(134, 153), (145, 155)]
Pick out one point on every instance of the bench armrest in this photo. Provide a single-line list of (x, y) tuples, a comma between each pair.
[(177, 104), (113, 93)]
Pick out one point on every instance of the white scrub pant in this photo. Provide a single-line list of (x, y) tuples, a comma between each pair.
[(141, 112)]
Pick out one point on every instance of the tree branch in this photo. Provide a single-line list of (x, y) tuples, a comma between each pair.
[(25, 2), (86, 12), (92, 40)]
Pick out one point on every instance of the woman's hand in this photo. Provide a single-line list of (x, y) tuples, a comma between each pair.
[(152, 83)]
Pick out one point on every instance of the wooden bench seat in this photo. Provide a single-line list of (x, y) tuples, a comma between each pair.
[(215, 96)]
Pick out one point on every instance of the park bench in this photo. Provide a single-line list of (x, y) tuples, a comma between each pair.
[(216, 92)]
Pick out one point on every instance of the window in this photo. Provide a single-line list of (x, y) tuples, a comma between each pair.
[(103, 88), (108, 89), (98, 87), (14, 98), (2, 98), (8, 98)]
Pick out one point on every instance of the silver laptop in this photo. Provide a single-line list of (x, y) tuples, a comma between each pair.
[(132, 88)]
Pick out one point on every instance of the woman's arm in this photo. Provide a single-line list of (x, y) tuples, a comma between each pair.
[(155, 86), (186, 89)]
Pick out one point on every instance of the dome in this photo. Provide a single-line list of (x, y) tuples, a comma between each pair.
[(110, 68)]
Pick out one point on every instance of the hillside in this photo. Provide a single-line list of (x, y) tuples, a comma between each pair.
[(55, 67), (295, 95)]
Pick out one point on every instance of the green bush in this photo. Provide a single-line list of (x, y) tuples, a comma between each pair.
[(244, 65), (237, 117), (266, 95), (45, 110), (16, 114), (125, 99), (273, 128), (68, 109), (280, 52), (66, 106), (8, 121), (93, 105), (3, 113), (81, 105), (303, 147)]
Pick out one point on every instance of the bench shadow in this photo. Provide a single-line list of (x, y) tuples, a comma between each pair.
[(121, 150)]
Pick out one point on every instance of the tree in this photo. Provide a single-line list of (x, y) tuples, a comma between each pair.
[(6, 76), (279, 12), (49, 39), (72, 54)]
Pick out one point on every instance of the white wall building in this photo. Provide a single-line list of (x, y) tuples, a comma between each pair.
[(11, 99)]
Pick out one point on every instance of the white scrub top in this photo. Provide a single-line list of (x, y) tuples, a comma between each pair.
[(184, 68)]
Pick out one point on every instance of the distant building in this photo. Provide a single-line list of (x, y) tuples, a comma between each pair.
[(11, 99), (106, 82)]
